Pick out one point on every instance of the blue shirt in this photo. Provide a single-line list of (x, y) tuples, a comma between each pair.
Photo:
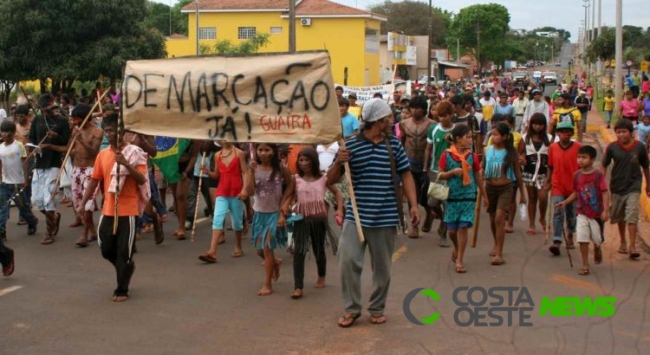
[(506, 110), (373, 181), (349, 124), (642, 132)]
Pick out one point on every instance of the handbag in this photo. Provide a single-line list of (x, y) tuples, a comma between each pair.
[(437, 190)]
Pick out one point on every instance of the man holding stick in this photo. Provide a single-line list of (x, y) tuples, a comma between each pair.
[(130, 162), (53, 131), (83, 154), (369, 155)]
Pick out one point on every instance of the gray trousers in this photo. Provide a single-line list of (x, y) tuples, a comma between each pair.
[(381, 243)]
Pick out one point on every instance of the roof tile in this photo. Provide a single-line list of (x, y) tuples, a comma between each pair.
[(303, 8)]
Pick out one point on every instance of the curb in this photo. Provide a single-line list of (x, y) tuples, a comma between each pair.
[(609, 137)]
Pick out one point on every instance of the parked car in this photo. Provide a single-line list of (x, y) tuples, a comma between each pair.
[(422, 80), (558, 64), (518, 77), (550, 77)]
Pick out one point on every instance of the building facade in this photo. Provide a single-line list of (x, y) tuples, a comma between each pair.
[(350, 35)]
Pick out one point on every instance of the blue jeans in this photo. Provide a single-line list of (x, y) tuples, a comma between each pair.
[(608, 116), (558, 218), (7, 192)]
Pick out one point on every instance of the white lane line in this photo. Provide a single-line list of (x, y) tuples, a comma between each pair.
[(9, 290)]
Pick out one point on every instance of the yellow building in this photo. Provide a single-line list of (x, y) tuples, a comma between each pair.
[(350, 35)]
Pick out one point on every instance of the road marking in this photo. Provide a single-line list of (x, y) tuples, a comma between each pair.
[(399, 252), (570, 281), (9, 290)]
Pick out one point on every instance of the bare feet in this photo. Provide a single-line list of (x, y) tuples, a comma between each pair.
[(221, 241), (320, 283), (237, 253), (297, 293), (265, 291), (276, 269)]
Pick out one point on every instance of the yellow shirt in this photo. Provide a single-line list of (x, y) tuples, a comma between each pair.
[(562, 114), (609, 103), (355, 111), (488, 112), (515, 135)]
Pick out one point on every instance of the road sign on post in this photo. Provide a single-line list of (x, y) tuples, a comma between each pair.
[(644, 66)]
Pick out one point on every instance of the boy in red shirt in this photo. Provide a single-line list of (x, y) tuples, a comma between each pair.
[(562, 164), (592, 204), (132, 188)]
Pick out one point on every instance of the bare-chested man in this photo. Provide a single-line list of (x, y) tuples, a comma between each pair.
[(414, 138), (83, 154)]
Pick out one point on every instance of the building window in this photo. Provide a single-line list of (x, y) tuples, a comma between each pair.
[(276, 30), (246, 33), (208, 33)]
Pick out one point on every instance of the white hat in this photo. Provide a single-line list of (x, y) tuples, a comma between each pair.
[(374, 110)]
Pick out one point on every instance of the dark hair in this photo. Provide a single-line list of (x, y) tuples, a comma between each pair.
[(22, 110), (588, 150), (275, 160), (511, 154), (344, 102), (311, 154), (65, 98), (538, 118), (496, 118), (457, 100), (338, 88), (457, 132), (110, 120), (419, 102), (624, 124), (377, 95), (80, 111), (8, 126)]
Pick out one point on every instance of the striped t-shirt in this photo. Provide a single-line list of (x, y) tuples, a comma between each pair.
[(373, 182)]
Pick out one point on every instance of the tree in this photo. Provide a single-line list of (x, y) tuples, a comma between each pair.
[(66, 41), (412, 18), (483, 28), (158, 17), (636, 46), (245, 47)]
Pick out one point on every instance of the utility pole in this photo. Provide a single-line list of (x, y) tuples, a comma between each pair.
[(198, 47), (170, 17), (429, 45), (457, 49), (599, 65), (292, 26), (618, 83)]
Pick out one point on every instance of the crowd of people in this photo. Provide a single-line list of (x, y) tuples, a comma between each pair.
[(485, 143)]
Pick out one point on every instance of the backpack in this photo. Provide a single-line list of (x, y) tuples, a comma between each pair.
[(563, 117)]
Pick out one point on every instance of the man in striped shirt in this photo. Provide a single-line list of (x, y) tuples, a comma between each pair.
[(372, 182)]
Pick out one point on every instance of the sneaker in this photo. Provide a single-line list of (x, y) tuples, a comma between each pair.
[(555, 248), (444, 243), (9, 269), (31, 229), (188, 225)]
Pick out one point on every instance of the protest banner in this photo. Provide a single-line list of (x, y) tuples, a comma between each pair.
[(365, 93), (281, 98)]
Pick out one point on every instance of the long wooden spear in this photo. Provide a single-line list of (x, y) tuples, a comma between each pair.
[(353, 199), (198, 197)]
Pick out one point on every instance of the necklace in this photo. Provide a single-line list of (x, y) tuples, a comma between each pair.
[(226, 156)]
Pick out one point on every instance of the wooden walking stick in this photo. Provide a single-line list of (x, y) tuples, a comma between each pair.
[(353, 199), (566, 243), (120, 122), (549, 209), (198, 197), (74, 139), (479, 199)]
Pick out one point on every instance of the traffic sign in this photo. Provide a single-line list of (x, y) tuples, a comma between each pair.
[(629, 63), (644, 66), (613, 63)]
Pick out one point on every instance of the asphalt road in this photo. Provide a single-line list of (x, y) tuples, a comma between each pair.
[(58, 301)]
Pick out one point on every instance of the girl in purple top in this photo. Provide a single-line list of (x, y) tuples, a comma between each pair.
[(309, 193), (267, 178)]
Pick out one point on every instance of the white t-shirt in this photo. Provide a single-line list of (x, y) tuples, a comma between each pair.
[(326, 155), (12, 164)]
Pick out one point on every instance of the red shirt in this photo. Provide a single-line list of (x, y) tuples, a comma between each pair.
[(564, 163), (589, 189)]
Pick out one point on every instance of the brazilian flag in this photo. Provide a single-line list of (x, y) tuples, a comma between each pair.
[(169, 152)]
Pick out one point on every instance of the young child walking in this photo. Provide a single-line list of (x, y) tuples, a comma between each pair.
[(267, 178), (608, 107), (230, 170), (502, 169), (592, 206), (313, 228), (535, 169), (13, 185), (461, 169), (562, 165), (630, 160)]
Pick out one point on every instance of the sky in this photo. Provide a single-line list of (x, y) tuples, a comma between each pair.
[(525, 14)]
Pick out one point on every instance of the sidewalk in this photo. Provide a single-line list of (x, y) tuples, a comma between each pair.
[(596, 125)]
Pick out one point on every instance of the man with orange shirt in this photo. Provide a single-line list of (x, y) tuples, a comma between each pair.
[(132, 186)]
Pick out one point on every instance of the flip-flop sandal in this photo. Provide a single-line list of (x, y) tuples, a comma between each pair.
[(122, 298), (598, 255), (460, 269), (237, 253), (205, 257), (295, 295), (264, 293), (531, 231), (583, 272), (634, 255), (622, 250), (510, 229), (82, 244), (180, 235), (378, 319), (348, 320)]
